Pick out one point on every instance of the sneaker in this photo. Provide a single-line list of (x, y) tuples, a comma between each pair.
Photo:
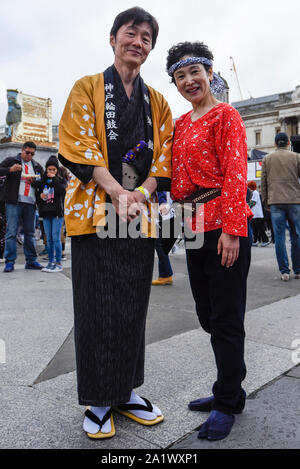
[(9, 267), (64, 257), (56, 268), (255, 244), (297, 276), (285, 277), (34, 266), (2, 260), (48, 267), (265, 244)]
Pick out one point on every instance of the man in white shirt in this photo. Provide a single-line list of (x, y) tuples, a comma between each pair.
[(20, 205)]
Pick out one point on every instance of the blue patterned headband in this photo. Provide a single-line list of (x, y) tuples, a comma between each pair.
[(217, 85)]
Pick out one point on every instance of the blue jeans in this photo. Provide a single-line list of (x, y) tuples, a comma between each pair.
[(14, 214), (250, 233), (52, 228), (280, 214), (164, 266)]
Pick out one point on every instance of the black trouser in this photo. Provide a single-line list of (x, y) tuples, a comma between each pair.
[(220, 296), (259, 234)]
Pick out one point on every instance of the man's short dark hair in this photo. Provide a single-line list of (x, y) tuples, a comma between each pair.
[(138, 16), (29, 145)]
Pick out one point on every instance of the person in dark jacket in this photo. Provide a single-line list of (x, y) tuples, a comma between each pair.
[(2, 218), (51, 190), (20, 204)]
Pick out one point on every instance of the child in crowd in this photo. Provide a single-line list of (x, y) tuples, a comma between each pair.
[(51, 189)]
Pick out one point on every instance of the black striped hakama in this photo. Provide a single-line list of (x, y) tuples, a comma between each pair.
[(111, 290)]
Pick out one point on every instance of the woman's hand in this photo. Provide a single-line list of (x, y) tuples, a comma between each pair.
[(229, 247)]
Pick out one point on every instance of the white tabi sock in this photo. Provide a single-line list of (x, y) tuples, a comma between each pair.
[(92, 427), (135, 399)]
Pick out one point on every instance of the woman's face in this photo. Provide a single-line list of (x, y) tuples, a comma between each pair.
[(132, 44), (51, 171), (193, 82)]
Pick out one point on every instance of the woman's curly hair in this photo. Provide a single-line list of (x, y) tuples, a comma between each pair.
[(193, 49)]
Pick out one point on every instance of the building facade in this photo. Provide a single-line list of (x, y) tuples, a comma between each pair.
[(264, 117)]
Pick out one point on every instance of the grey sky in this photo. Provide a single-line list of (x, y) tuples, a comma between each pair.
[(47, 45)]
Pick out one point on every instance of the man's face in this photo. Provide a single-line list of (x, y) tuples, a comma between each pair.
[(132, 44), (27, 154)]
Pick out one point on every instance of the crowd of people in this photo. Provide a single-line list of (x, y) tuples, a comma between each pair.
[(276, 205), (31, 197), (280, 190), (118, 140)]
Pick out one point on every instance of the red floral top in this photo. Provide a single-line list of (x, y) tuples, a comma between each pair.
[(212, 153)]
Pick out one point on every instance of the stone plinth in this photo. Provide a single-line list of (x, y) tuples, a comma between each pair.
[(13, 148), (29, 118)]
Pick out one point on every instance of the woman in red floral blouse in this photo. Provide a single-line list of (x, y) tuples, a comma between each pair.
[(210, 151)]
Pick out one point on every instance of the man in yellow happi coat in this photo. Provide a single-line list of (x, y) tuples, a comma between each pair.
[(115, 137)]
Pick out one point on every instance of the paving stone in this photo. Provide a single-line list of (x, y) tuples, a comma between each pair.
[(276, 324), (178, 370), (268, 422), (47, 423), (34, 322)]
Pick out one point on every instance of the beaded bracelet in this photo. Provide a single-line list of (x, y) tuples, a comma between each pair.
[(144, 191)]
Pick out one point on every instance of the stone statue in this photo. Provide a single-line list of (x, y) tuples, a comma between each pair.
[(296, 94), (14, 113)]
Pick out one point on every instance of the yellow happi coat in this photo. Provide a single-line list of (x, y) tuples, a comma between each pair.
[(82, 139)]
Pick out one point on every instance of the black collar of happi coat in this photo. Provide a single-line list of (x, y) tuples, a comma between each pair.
[(111, 119)]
